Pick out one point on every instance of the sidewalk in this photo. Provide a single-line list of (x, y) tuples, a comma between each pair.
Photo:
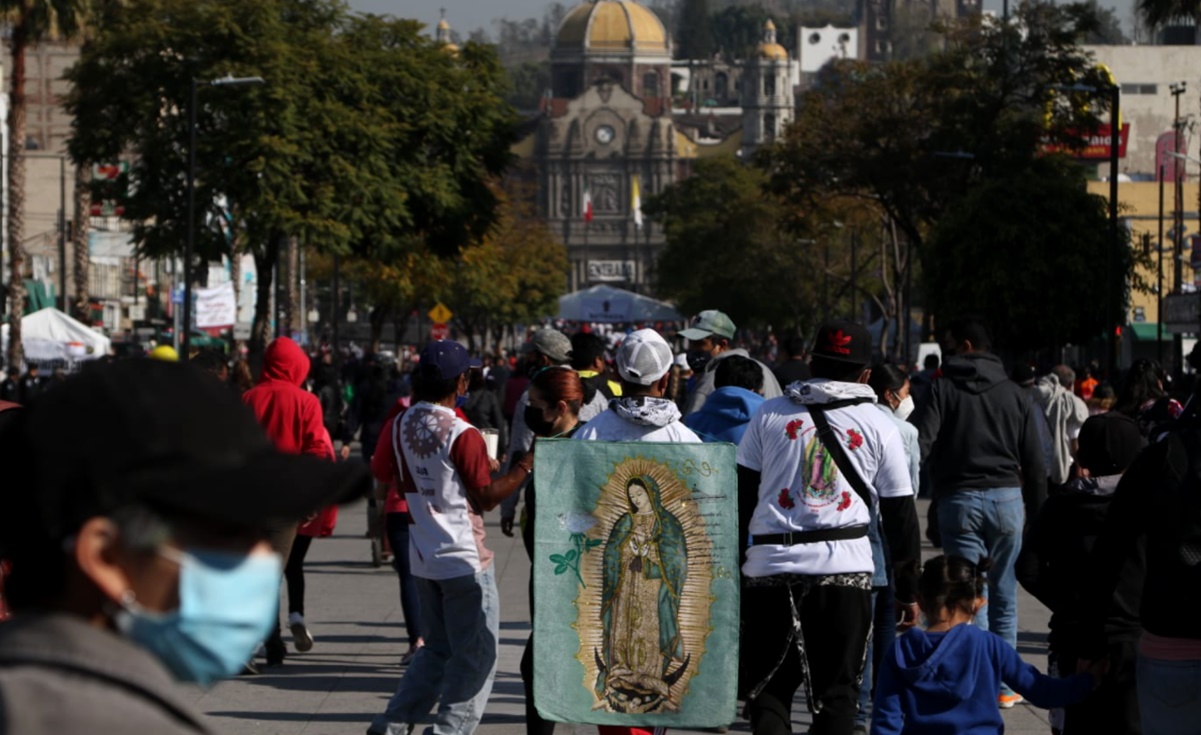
[(353, 611)]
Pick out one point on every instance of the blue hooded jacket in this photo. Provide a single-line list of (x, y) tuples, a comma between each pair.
[(947, 684), (725, 414)]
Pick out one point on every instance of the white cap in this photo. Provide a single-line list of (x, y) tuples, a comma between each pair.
[(644, 357)]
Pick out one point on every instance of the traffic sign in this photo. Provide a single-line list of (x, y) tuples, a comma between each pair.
[(439, 331), (440, 314)]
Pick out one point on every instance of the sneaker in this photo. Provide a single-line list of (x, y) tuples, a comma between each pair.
[(276, 651), (1006, 700), (301, 637)]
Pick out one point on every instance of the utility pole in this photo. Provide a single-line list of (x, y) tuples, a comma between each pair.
[(1177, 90)]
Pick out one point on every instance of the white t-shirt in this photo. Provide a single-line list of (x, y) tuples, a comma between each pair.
[(802, 488)]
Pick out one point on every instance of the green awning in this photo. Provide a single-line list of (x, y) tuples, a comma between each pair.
[(1148, 331)]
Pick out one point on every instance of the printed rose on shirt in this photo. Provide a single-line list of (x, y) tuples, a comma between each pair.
[(854, 439), (793, 429), (785, 500), (845, 502)]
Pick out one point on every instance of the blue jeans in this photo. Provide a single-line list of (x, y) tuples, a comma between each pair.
[(976, 524), (456, 667), (397, 525), (1169, 696)]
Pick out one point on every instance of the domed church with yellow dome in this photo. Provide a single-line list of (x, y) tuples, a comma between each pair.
[(605, 141)]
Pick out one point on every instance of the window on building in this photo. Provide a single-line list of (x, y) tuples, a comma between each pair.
[(769, 127), (769, 85), (650, 85), (721, 86)]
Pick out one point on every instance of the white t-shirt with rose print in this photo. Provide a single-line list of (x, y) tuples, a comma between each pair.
[(802, 488)]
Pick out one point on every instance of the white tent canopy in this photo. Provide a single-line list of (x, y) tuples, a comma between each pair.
[(49, 334), (613, 305)]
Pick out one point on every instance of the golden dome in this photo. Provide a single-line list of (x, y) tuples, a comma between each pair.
[(613, 25), (770, 25), (444, 25), (773, 51)]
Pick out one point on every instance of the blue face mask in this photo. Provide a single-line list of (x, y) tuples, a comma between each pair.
[(227, 606)]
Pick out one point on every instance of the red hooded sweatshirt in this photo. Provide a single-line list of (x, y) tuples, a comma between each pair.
[(290, 415)]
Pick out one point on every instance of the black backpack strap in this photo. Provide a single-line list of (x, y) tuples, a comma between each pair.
[(829, 440)]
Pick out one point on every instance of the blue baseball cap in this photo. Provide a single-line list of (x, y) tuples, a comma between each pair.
[(445, 359)]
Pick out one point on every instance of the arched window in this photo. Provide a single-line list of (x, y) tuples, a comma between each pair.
[(769, 127), (769, 85), (721, 86)]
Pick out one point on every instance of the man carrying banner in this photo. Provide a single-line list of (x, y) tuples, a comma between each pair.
[(642, 413), (815, 467)]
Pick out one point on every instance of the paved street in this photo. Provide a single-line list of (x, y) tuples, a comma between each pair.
[(354, 614)]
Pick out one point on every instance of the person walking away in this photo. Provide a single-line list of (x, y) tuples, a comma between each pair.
[(977, 434), (729, 408), (292, 418), (138, 553), (1142, 397), (321, 525), (556, 395), (1065, 413), (942, 679), (816, 467), (1154, 520), (709, 336), (642, 413), (32, 384), (446, 476), (921, 381), (1055, 559), (795, 367), (588, 359)]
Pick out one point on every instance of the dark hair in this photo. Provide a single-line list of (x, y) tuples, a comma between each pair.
[(824, 367), (795, 346), (1142, 384), (585, 349), (433, 390), (951, 582), (886, 377), (931, 362), (211, 361), (477, 380), (560, 384), (740, 372), (971, 329)]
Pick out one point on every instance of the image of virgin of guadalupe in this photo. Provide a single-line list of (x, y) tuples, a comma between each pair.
[(645, 567)]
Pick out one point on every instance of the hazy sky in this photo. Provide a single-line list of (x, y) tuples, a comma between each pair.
[(467, 15)]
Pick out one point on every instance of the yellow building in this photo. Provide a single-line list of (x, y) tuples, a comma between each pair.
[(1139, 206)]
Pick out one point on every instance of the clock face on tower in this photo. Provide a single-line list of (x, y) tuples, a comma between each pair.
[(605, 135)]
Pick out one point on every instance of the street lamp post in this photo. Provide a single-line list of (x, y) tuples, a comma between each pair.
[(1177, 89), (190, 238)]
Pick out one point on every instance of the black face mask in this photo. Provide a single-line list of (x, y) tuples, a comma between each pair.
[(697, 360), (536, 420)]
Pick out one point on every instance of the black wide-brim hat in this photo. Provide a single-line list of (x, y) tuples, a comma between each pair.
[(166, 435)]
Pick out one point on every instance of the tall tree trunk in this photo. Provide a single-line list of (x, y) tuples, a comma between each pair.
[(292, 289), (264, 265), (79, 242), (378, 317), (16, 189)]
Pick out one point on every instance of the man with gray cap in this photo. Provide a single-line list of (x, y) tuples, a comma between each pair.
[(710, 334), (547, 348)]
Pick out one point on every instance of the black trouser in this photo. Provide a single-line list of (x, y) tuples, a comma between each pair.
[(534, 724), (835, 622), (294, 573)]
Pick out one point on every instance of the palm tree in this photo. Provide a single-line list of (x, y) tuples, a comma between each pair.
[(79, 240), (29, 23)]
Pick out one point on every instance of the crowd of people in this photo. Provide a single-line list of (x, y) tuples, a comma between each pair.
[(1080, 487)]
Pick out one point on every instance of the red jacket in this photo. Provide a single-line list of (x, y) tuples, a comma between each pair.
[(290, 415)]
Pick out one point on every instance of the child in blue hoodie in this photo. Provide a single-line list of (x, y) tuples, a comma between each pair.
[(944, 680)]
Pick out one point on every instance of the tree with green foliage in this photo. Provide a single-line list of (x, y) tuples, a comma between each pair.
[(366, 137), (694, 34), (727, 248), (28, 22), (914, 139), (1030, 248)]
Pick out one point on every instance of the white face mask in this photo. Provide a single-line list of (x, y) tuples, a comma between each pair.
[(904, 408)]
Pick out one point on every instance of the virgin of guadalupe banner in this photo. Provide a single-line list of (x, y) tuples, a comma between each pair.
[(636, 583)]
